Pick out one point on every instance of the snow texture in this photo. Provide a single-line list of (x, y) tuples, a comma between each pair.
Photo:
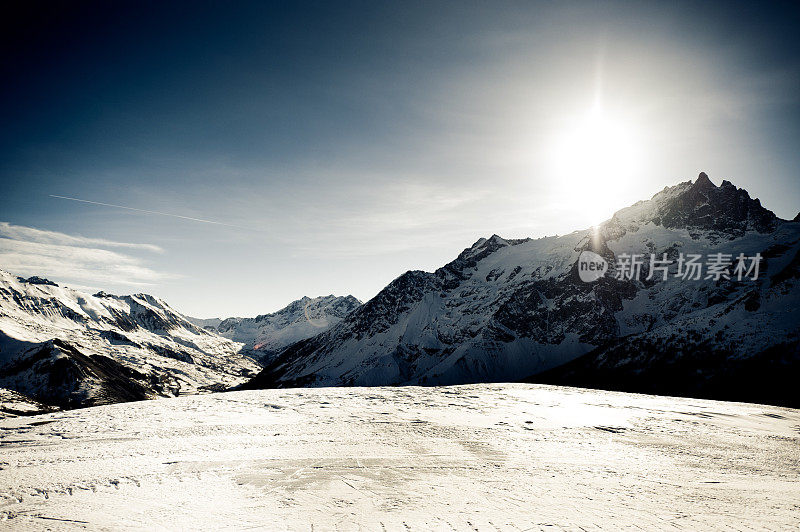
[(476, 457)]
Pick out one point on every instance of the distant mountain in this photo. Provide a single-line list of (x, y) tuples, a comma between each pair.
[(265, 335), (62, 347), (512, 309)]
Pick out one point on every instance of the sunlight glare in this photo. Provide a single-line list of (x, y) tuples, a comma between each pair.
[(595, 158)]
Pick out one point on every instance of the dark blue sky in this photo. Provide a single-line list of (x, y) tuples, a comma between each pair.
[(357, 140)]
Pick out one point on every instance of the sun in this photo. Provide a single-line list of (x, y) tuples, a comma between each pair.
[(595, 158)]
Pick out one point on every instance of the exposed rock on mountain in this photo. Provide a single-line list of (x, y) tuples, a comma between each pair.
[(725, 209)]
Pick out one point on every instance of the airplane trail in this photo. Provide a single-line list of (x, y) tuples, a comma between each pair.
[(146, 211)]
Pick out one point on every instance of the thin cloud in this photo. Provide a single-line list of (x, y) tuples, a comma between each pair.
[(66, 258), (31, 234)]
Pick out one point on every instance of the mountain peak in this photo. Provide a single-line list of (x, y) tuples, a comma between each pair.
[(703, 205), (299, 320), (498, 240), (37, 280), (703, 182)]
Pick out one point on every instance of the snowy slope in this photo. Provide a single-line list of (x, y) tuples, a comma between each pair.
[(508, 309), (64, 347), (265, 335), (13, 404), (505, 457)]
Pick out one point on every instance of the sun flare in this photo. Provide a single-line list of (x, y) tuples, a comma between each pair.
[(595, 157)]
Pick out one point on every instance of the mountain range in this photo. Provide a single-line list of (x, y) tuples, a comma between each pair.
[(63, 348), (503, 310), (509, 310)]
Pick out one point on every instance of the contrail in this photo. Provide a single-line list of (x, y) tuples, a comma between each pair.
[(146, 211)]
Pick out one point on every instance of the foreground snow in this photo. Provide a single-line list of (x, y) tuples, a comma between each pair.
[(486, 457)]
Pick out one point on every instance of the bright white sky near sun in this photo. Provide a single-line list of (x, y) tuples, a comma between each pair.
[(340, 157)]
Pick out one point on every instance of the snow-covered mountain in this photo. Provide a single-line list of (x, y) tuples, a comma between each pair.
[(66, 348), (509, 309), (265, 335)]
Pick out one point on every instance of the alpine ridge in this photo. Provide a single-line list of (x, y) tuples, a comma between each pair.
[(508, 310)]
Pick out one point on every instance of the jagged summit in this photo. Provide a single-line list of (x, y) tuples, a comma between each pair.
[(701, 205), (37, 280), (703, 182), (467, 259), (725, 208)]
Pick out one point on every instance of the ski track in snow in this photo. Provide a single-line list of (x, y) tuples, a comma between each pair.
[(475, 457)]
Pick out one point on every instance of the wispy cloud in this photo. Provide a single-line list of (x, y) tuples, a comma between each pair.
[(144, 211), (74, 259), (31, 234)]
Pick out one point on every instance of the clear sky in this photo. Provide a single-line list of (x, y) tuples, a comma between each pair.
[(337, 145)]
